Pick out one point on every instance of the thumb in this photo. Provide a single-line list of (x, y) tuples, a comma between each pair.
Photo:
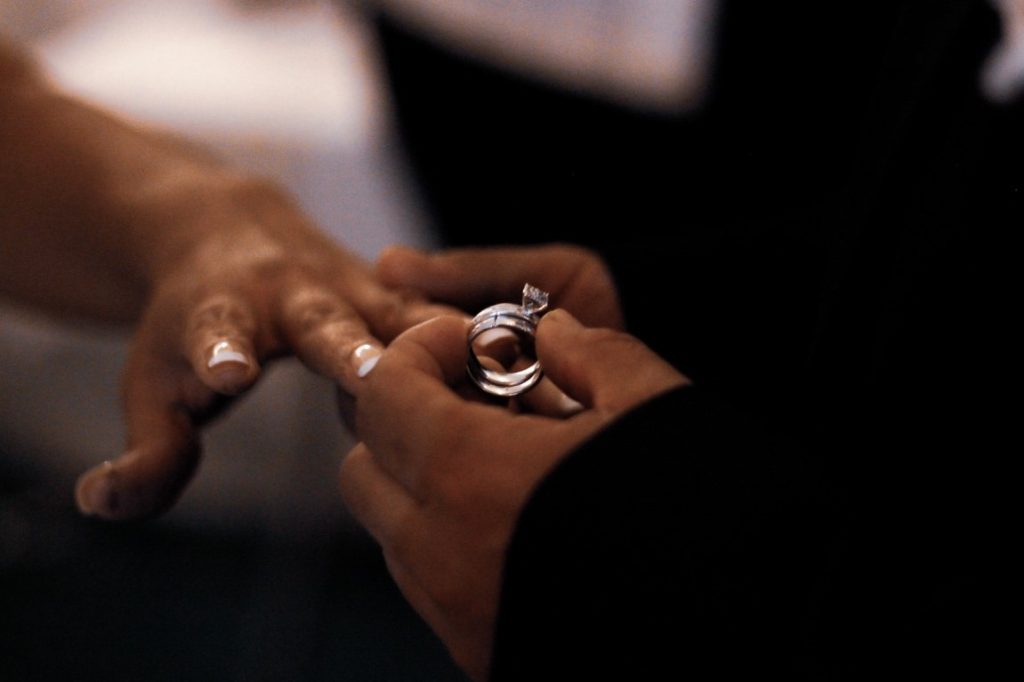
[(602, 368)]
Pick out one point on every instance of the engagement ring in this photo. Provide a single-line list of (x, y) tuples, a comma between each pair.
[(521, 321)]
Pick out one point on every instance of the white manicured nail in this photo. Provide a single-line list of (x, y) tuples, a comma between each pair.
[(365, 358), (224, 352)]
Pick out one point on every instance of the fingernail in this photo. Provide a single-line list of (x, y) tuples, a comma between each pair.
[(230, 368), (223, 352), (567, 406), (365, 358), (95, 493)]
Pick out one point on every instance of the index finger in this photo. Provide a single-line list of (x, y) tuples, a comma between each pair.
[(435, 348), (604, 369), (476, 277), (407, 411)]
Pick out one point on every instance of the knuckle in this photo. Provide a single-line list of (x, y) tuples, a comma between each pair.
[(311, 309), (220, 312), (390, 311)]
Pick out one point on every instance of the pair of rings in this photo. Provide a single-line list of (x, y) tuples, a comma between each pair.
[(522, 321)]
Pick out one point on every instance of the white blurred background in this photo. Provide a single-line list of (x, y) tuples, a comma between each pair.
[(290, 90)]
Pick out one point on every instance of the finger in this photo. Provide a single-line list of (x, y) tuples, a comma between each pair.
[(436, 617), (396, 521), (544, 399), (142, 483), (435, 349), (387, 511), (328, 335), (548, 400), (601, 368), (219, 343), (500, 345), (163, 447), (376, 500), (389, 311), (408, 413), (418, 597), (474, 278), (499, 352), (469, 391)]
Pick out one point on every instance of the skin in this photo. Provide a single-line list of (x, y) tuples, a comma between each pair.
[(221, 272), (218, 271), (440, 477), (474, 278)]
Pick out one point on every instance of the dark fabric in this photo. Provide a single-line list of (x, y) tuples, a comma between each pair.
[(639, 555), (823, 248)]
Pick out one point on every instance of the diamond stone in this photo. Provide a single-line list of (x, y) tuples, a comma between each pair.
[(535, 301)]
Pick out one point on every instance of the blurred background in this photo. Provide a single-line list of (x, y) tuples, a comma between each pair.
[(257, 573)]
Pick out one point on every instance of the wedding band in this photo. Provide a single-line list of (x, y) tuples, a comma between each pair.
[(519, 319)]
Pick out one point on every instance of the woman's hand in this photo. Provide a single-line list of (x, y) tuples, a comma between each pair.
[(104, 219), (439, 480), (246, 280)]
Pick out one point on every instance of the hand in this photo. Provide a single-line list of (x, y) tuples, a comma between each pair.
[(105, 219), (440, 480), (247, 279), (473, 279)]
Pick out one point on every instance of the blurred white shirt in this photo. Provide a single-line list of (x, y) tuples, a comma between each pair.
[(646, 53)]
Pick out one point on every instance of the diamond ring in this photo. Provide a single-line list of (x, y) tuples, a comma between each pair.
[(522, 321)]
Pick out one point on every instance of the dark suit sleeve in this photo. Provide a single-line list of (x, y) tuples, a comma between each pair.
[(682, 536)]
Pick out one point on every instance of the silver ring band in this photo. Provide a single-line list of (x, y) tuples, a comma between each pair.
[(521, 319)]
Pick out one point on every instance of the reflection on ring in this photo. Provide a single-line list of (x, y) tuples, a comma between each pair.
[(522, 321)]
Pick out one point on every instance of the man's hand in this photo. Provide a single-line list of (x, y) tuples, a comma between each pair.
[(439, 480), (472, 279)]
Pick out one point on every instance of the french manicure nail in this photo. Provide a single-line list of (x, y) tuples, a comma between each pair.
[(223, 352), (567, 406), (365, 358)]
